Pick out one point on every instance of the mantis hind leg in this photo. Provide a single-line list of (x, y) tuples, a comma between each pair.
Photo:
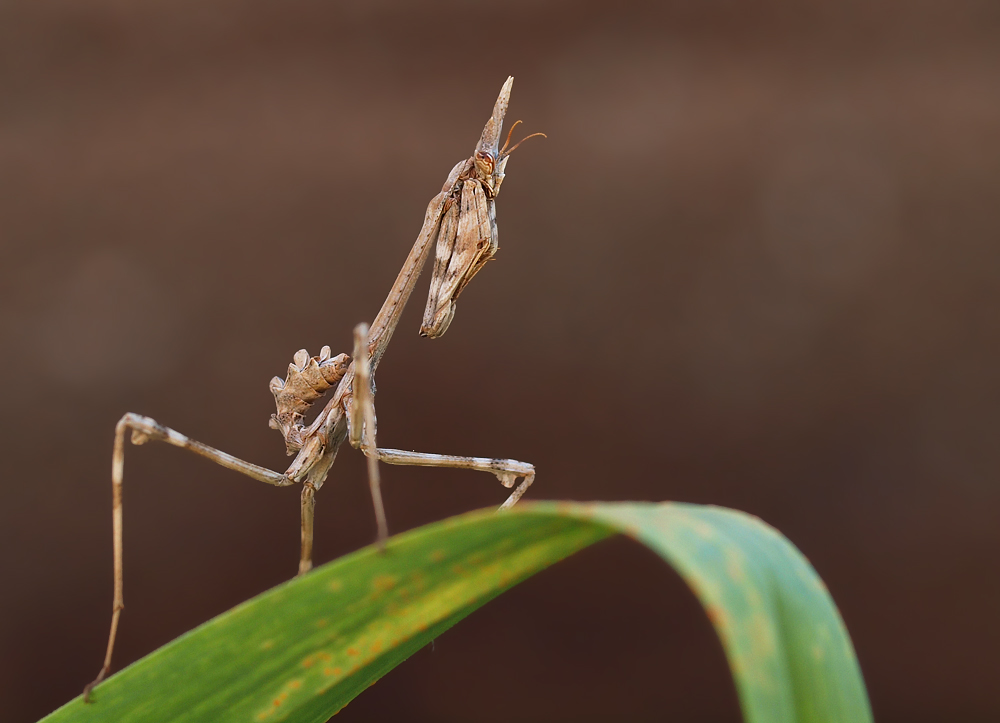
[(143, 430), (506, 470), (361, 433)]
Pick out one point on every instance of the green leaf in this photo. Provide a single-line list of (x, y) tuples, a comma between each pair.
[(302, 651)]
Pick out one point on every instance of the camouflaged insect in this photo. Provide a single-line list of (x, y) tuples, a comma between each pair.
[(460, 225)]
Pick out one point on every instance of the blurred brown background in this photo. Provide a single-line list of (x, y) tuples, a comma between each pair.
[(755, 264)]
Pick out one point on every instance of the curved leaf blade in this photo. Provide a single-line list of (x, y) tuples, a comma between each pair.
[(786, 644), (303, 650)]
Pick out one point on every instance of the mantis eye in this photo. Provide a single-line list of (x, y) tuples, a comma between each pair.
[(485, 162)]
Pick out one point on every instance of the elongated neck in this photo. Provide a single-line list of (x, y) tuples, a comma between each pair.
[(388, 316)]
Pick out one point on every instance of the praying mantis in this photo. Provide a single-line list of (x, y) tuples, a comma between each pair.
[(460, 225)]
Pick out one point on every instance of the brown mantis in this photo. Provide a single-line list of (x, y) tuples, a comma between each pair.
[(460, 224)]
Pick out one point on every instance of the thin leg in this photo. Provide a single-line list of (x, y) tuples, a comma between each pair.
[(143, 430), (518, 493), (361, 430), (308, 510), (506, 470)]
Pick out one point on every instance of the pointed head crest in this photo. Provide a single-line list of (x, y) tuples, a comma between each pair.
[(490, 140), (490, 159)]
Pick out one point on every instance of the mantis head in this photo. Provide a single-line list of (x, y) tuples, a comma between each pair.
[(467, 232), (490, 160)]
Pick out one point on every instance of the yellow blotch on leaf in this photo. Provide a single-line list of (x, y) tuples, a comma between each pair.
[(762, 635), (734, 565), (384, 583)]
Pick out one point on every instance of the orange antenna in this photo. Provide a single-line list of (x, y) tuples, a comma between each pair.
[(520, 142), (507, 142)]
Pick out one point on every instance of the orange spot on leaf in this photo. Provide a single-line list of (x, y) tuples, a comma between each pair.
[(717, 616), (382, 583)]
